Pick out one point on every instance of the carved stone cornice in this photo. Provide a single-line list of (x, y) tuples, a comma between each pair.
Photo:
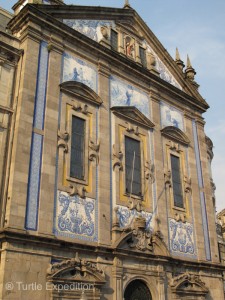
[(81, 91), (188, 284), (175, 134), (76, 270), (133, 115)]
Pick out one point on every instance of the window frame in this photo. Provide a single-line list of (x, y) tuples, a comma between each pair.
[(73, 113), (113, 30), (181, 182), (180, 154), (139, 139), (131, 189)]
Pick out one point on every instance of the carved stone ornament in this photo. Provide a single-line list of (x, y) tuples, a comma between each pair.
[(168, 178), (175, 134), (104, 32), (187, 184), (149, 171), (94, 151), (188, 284), (63, 140), (132, 129), (136, 237), (77, 190), (83, 108), (141, 239), (174, 146), (180, 217), (117, 158), (134, 203), (77, 270)]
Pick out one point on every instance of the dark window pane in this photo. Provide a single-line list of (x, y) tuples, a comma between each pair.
[(143, 56), (177, 185), (133, 166), (77, 148), (114, 40)]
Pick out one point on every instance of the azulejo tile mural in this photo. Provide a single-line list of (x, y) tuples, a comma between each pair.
[(123, 94), (181, 238), (162, 69), (170, 116), (76, 217), (90, 28), (126, 216), (78, 70)]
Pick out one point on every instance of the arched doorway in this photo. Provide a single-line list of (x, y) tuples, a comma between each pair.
[(137, 290)]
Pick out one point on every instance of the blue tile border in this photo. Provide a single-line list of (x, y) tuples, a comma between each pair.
[(33, 191), (202, 194)]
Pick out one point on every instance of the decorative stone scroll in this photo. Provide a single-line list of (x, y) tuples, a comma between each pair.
[(63, 140), (94, 151), (117, 159)]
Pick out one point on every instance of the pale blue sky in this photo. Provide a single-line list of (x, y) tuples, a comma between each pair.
[(196, 28)]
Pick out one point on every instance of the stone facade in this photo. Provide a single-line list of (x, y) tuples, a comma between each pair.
[(90, 237)]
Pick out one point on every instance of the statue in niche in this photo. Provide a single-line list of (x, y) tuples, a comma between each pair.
[(129, 47)]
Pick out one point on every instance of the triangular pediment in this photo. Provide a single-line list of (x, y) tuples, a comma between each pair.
[(80, 91), (133, 115), (175, 134), (95, 23)]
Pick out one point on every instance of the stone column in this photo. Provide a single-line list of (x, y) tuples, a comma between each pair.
[(160, 201), (47, 186), (18, 182), (117, 272), (104, 211)]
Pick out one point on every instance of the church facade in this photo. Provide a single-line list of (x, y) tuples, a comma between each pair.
[(105, 180)]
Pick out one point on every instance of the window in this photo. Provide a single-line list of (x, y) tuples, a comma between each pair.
[(143, 56), (77, 148), (176, 179), (114, 40), (133, 166)]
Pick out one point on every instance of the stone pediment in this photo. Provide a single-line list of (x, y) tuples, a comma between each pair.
[(81, 91), (133, 115), (188, 284), (76, 270), (175, 134), (137, 238)]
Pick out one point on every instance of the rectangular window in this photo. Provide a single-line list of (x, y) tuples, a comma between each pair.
[(77, 148), (176, 179), (114, 40), (143, 56), (133, 166)]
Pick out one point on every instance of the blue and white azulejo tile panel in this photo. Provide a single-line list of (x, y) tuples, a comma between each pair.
[(161, 68), (126, 216), (123, 94), (181, 238), (90, 28), (76, 217), (171, 116), (79, 70)]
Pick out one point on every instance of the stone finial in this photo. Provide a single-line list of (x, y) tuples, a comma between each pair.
[(178, 60), (126, 4), (190, 71)]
